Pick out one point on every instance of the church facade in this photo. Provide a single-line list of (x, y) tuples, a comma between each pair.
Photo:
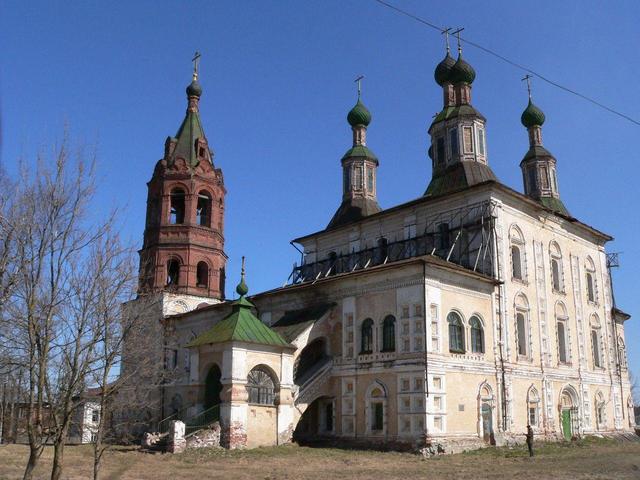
[(459, 317)]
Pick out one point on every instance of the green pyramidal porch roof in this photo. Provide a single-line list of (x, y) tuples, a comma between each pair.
[(241, 325), (189, 131)]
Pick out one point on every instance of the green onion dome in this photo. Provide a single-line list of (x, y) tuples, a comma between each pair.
[(242, 288), (462, 72), (359, 115), (532, 115), (194, 89), (442, 73)]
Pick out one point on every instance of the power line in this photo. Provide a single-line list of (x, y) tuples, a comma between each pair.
[(510, 62)]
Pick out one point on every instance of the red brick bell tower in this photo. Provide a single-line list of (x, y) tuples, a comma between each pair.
[(183, 250)]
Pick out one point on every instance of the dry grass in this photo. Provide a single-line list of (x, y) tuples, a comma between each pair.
[(590, 459)]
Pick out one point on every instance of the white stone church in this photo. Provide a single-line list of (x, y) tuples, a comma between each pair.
[(458, 317)]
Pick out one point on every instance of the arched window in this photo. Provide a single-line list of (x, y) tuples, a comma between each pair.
[(177, 206), (260, 387), (561, 331), (556, 268), (389, 334), (622, 353), (521, 323), (456, 333), (366, 338), (590, 278), (533, 407), (477, 335), (203, 210), (517, 253), (202, 275), (173, 272), (595, 341)]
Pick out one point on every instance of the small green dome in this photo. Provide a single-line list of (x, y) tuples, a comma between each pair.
[(442, 73), (532, 115), (194, 89), (242, 288), (359, 115), (462, 72)]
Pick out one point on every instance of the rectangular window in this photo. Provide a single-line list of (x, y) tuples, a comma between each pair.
[(435, 329), (417, 309), (544, 177), (437, 383), (481, 141), (522, 334), (453, 139), (440, 151), (437, 403), (405, 384), (562, 343), (347, 179), (596, 348), (370, 179), (532, 179), (533, 416), (467, 137), (405, 312), (437, 424), (358, 178)]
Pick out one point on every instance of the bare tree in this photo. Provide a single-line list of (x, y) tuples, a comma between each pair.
[(54, 234)]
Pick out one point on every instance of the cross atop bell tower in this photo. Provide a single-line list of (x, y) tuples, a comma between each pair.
[(183, 249)]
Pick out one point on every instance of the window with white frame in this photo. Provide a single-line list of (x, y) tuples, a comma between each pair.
[(477, 334), (596, 341), (556, 268), (590, 279), (522, 325), (533, 407), (456, 332), (517, 254), (435, 328), (562, 333)]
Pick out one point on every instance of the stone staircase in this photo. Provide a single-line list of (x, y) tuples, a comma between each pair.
[(313, 385)]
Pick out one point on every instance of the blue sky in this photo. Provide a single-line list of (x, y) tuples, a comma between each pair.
[(278, 82)]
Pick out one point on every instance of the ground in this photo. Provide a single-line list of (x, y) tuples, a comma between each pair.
[(587, 459)]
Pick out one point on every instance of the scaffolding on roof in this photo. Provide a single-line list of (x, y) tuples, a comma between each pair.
[(463, 236)]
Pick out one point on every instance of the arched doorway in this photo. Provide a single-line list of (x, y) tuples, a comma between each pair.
[(314, 354), (212, 387), (485, 413), (568, 413)]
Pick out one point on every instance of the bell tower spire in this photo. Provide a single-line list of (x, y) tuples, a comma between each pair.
[(183, 248), (538, 166), (359, 169)]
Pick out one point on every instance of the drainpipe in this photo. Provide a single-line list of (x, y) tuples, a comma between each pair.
[(426, 357), (500, 340)]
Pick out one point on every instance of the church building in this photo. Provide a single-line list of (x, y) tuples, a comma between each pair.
[(458, 317)]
